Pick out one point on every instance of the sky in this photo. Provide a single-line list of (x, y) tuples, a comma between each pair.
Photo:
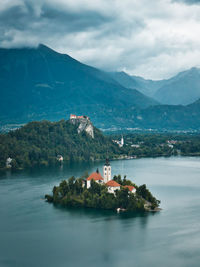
[(154, 39)]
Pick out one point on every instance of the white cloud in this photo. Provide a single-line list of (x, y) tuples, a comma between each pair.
[(154, 39)]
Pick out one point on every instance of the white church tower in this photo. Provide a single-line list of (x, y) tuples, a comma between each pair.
[(121, 143), (107, 171)]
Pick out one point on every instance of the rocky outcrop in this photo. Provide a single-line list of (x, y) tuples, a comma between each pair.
[(84, 124)]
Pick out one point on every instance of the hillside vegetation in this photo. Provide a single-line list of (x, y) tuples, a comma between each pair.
[(39, 143)]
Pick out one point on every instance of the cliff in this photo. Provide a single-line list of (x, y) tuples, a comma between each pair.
[(84, 124)]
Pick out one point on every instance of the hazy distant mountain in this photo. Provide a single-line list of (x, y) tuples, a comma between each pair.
[(124, 79), (174, 117), (147, 87), (39, 83), (183, 89)]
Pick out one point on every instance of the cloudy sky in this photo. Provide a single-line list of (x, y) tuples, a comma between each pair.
[(151, 38)]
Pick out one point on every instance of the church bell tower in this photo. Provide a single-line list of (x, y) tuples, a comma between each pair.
[(107, 171)]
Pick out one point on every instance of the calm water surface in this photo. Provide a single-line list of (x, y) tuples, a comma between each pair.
[(35, 233)]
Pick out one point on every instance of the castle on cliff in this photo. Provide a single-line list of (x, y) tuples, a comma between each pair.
[(84, 124)]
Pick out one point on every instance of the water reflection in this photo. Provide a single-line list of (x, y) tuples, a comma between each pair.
[(107, 215)]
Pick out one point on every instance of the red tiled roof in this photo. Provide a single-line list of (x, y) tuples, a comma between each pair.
[(112, 183), (130, 187), (95, 176)]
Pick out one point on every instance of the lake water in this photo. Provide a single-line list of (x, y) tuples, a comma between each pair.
[(35, 233)]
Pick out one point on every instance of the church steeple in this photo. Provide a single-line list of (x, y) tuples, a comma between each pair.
[(121, 143), (107, 171)]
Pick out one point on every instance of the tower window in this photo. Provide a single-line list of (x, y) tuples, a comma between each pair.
[(105, 168)]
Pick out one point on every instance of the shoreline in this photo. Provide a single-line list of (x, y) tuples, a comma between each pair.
[(123, 157)]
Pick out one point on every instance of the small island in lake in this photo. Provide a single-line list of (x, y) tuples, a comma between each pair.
[(95, 191)]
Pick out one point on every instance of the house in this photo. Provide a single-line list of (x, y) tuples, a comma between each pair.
[(72, 116), (120, 143), (60, 158), (112, 186), (135, 145), (8, 163), (96, 176), (130, 188)]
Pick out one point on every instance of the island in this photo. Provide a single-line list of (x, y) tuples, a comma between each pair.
[(95, 191)]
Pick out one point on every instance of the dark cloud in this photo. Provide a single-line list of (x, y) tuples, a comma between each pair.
[(188, 2), (70, 22), (23, 18)]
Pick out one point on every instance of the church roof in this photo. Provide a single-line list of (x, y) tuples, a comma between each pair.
[(130, 187), (95, 176), (112, 183)]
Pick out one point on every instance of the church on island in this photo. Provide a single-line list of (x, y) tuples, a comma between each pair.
[(106, 179)]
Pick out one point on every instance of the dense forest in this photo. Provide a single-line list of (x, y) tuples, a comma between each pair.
[(72, 193), (39, 143)]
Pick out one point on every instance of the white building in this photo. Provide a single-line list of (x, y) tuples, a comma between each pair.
[(112, 186), (8, 163), (121, 143), (72, 116), (60, 158), (96, 176), (130, 188), (135, 145)]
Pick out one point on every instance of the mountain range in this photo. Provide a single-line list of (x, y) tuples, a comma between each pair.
[(39, 83), (146, 87), (182, 89)]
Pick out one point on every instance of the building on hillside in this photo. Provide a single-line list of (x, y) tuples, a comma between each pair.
[(96, 176), (112, 186), (72, 117), (8, 163), (60, 158), (130, 188), (121, 143), (135, 145)]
